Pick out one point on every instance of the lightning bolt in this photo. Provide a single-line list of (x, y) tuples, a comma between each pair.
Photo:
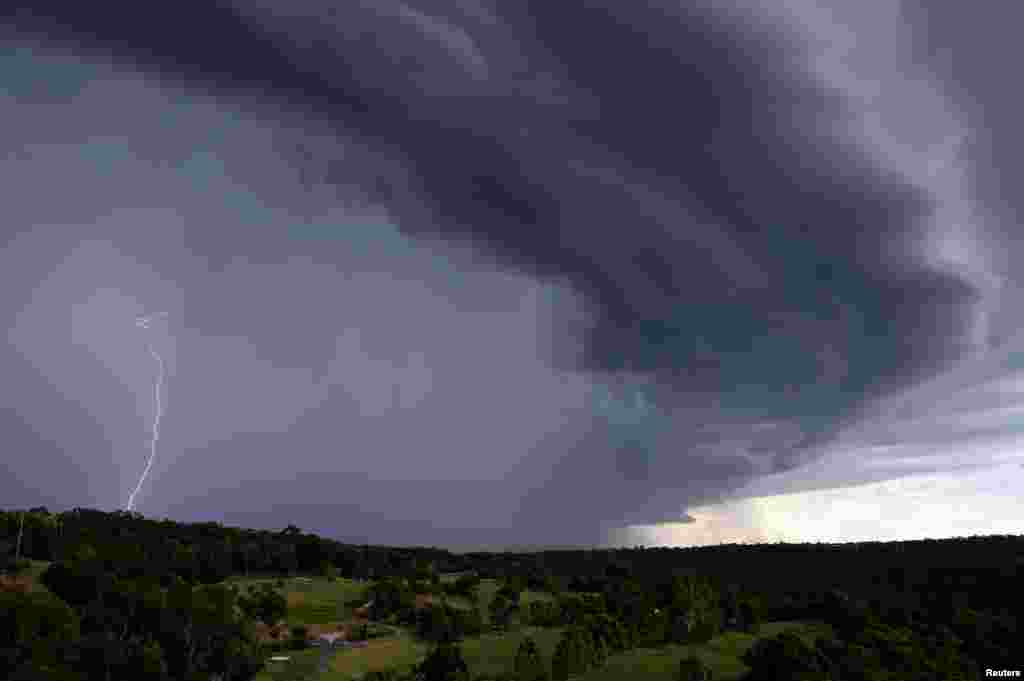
[(143, 323)]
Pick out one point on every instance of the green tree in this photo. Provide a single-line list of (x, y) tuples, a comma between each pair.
[(445, 663), (34, 626), (299, 633), (529, 664), (785, 656), (579, 653), (266, 605), (154, 667), (561, 664), (749, 617), (435, 624), (692, 668), (500, 610)]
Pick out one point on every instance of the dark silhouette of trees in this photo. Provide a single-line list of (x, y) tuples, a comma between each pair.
[(445, 663), (264, 604), (529, 664), (692, 668), (126, 596)]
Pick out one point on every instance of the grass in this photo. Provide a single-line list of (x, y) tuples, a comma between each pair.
[(722, 654), (31, 574), (489, 588), (302, 665), (317, 601), (36, 569), (380, 654), (496, 653), (488, 654)]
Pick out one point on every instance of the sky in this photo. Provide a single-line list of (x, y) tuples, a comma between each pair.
[(481, 273)]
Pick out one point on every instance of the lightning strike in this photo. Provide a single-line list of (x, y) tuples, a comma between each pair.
[(144, 323)]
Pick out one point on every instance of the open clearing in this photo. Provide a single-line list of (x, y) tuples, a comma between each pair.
[(721, 653), (316, 601)]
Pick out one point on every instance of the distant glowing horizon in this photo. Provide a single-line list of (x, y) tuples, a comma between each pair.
[(931, 506)]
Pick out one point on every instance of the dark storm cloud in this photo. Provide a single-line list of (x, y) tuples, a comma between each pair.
[(745, 279)]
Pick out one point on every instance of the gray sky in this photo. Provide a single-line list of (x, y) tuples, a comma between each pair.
[(467, 273)]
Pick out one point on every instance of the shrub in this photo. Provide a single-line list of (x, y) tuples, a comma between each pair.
[(784, 656), (692, 668), (299, 634), (444, 663), (529, 664)]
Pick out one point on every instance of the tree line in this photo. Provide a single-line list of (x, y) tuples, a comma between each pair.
[(128, 597)]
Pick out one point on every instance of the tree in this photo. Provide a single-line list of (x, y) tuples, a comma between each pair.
[(465, 585), (501, 610), (21, 530), (692, 668), (578, 653), (785, 656), (266, 605), (529, 664), (600, 653), (445, 663), (749, 617), (154, 667), (561, 664), (299, 634), (435, 624), (33, 627)]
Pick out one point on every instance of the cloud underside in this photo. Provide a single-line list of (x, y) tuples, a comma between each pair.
[(476, 247)]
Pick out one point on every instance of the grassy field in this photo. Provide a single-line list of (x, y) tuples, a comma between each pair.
[(721, 653), (316, 601), (492, 653), (401, 651), (496, 653), (301, 665), (32, 573), (489, 587), (37, 568)]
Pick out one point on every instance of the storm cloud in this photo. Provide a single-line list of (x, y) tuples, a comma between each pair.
[(499, 272)]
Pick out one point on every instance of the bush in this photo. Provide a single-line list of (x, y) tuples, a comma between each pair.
[(783, 657), (265, 605), (274, 647), (299, 633), (465, 585), (445, 663), (529, 664), (373, 631), (560, 662), (693, 669)]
